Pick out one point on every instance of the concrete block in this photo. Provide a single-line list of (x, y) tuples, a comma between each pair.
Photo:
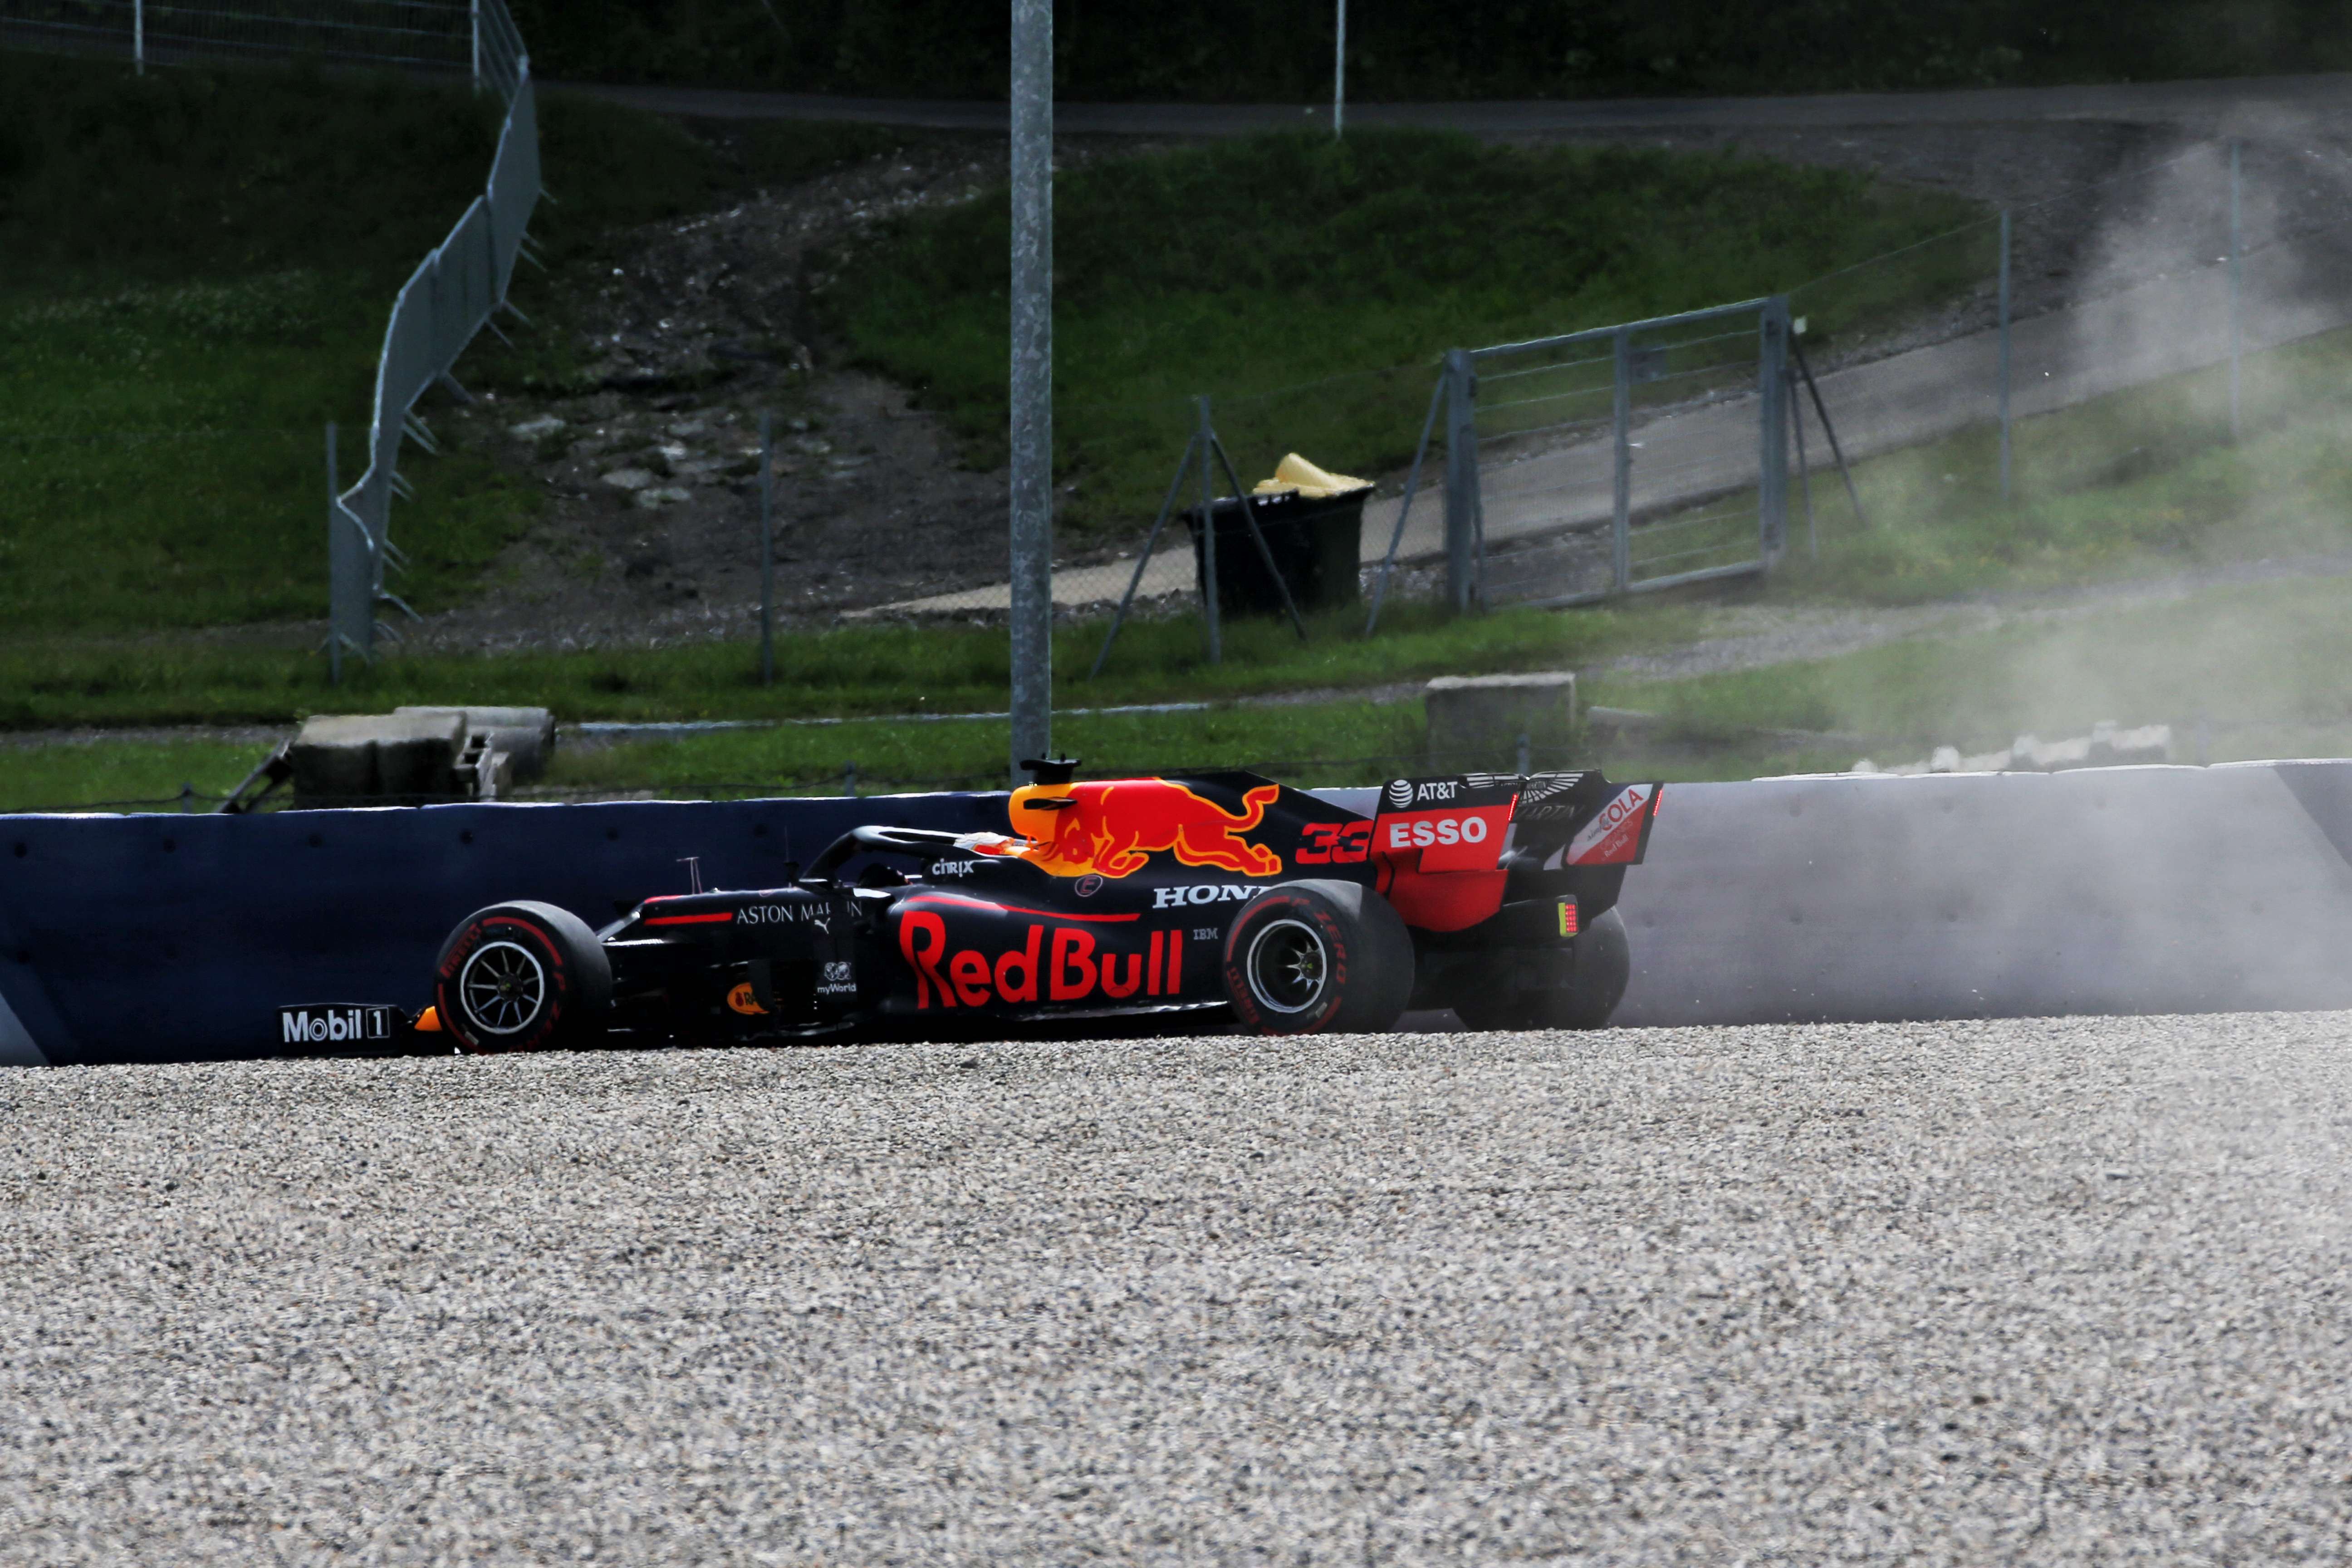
[(527, 735), (1490, 712), (387, 758)]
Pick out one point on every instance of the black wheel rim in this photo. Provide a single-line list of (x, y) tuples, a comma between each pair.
[(1288, 966), (502, 988)]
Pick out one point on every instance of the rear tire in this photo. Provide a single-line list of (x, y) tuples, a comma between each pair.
[(1319, 958), (522, 977), (1604, 963)]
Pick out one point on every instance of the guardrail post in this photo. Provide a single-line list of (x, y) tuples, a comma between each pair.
[(1621, 503), (1464, 535), (1772, 394)]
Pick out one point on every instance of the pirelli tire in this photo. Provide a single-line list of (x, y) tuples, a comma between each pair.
[(522, 977), (1604, 964), (1319, 958)]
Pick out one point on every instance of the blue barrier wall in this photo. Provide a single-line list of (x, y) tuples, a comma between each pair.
[(175, 938), (2108, 890)]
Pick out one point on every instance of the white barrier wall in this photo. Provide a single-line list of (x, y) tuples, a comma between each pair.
[(2147, 890)]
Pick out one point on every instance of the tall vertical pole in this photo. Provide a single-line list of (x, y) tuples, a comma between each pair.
[(2004, 352), (1620, 500), (139, 35), (767, 548), (1032, 381), (2237, 284), (477, 45), (1202, 437), (334, 584), (1339, 73)]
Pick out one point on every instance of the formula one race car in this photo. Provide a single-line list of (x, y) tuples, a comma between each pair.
[(1491, 894)]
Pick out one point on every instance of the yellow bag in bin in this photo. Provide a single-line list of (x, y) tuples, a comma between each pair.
[(1295, 476)]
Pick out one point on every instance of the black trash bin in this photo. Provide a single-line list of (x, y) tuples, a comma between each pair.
[(1314, 543)]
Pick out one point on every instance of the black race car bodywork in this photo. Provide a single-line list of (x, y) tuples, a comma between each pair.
[(1489, 894)]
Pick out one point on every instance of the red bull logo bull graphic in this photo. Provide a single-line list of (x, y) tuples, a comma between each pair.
[(1113, 828)]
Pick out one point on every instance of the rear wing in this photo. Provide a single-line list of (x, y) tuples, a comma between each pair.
[(1467, 821)]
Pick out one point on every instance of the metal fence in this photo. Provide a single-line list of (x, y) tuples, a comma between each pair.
[(1615, 460), (2201, 279), (449, 299), (409, 35)]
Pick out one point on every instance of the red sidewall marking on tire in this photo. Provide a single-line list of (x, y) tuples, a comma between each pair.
[(1309, 913), (508, 929)]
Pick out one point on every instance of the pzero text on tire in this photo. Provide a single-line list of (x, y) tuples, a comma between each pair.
[(521, 977), (1318, 957)]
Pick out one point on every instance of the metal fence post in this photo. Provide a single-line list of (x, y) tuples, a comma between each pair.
[(1461, 530), (334, 560), (476, 19), (1200, 438), (2004, 352), (139, 35), (2237, 269), (767, 547), (1773, 466), (353, 573), (1621, 515)]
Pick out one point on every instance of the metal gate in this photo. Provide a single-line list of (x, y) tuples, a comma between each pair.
[(1619, 459)]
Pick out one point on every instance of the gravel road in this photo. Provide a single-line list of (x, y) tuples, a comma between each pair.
[(2018, 1291)]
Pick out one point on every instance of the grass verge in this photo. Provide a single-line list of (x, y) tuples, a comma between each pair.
[(2240, 672), (45, 683)]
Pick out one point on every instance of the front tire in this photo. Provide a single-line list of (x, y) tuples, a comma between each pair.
[(521, 977), (1317, 958)]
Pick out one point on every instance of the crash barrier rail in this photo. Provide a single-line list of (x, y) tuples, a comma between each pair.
[(1802, 900), (447, 36), (449, 297)]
